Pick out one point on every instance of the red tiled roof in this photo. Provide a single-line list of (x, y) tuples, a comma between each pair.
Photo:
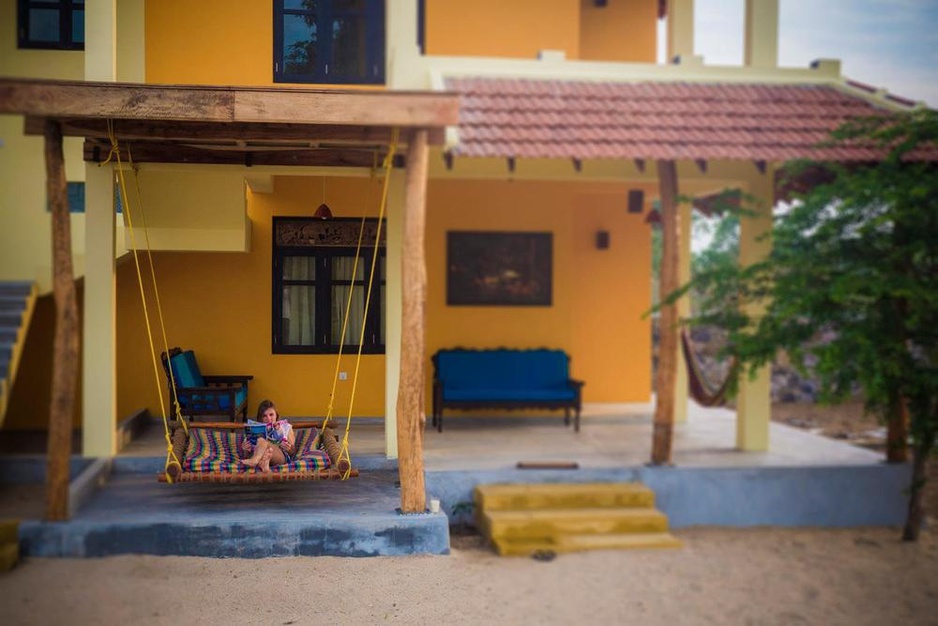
[(527, 118)]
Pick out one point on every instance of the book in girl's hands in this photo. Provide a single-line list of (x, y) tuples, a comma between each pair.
[(275, 432)]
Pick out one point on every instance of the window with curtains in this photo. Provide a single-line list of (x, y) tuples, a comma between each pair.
[(316, 280)]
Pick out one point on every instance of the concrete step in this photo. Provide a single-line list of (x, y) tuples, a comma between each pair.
[(524, 519), (15, 288), (12, 304), (11, 318), (580, 543), (9, 544), (563, 495), (544, 524)]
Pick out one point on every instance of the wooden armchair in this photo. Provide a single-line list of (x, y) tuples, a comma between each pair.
[(199, 395)]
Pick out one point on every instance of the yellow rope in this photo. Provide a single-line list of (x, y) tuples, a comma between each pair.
[(171, 458), (388, 164)]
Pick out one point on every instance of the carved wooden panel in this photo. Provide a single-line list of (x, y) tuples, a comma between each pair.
[(315, 233)]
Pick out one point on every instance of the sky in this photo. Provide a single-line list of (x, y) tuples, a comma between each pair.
[(891, 44)]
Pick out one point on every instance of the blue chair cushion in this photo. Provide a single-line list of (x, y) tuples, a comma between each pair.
[(186, 370), (204, 402)]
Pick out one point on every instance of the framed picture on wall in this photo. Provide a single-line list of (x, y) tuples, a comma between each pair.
[(498, 268)]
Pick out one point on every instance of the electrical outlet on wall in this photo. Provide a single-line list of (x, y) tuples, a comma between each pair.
[(343, 375)]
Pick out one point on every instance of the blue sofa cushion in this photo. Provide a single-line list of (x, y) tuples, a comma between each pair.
[(508, 395), (495, 370)]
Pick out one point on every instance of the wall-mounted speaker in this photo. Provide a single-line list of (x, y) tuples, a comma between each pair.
[(636, 200), (602, 239)]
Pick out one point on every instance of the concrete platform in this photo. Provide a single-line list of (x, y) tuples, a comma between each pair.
[(132, 513), (802, 480)]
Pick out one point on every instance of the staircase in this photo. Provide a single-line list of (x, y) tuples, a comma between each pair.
[(17, 300), (544, 518)]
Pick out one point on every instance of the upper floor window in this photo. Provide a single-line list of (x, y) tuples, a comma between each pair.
[(329, 41), (50, 24)]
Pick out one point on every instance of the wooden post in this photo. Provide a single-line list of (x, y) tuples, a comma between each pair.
[(665, 377), (411, 405), (65, 346)]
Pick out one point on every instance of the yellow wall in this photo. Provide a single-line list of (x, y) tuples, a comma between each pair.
[(623, 30), (214, 42), (219, 305), (26, 232), (495, 28), (598, 295)]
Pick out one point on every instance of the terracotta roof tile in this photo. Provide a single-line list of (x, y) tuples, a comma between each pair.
[(652, 120)]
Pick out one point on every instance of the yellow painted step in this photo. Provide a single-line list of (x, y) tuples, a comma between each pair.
[(581, 543), (9, 531), (545, 523), (562, 495), (9, 544), (9, 556)]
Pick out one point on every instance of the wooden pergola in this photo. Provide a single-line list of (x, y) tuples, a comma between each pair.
[(245, 126)]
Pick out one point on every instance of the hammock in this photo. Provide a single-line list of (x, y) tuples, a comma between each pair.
[(209, 453), (700, 389)]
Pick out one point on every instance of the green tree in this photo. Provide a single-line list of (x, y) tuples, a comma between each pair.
[(851, 285)]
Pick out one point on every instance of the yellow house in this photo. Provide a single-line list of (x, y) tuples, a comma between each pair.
[(565, 122)]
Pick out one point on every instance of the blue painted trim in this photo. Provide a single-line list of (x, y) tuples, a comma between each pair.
[(376, 535)]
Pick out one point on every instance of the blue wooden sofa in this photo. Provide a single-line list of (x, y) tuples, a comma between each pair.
[(199, 395), (504, 379)]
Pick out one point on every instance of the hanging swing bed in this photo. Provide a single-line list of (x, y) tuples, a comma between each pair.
[(209, 452)]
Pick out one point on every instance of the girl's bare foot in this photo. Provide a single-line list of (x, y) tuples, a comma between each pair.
[(251, 462)]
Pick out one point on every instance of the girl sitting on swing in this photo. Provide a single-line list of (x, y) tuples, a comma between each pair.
[(276, 448)]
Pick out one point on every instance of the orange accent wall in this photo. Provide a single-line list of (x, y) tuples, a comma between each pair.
[(219, 305), (496, 28), (599, 296), (623, 30), (212, 42)]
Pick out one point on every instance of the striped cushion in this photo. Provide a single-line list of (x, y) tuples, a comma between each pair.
[(217, 451)]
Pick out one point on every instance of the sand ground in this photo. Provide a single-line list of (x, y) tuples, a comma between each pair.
[(720, 576), (762, 576)]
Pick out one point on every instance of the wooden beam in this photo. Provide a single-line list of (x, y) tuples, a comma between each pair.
[(228, 104), (386, 108), (411, 406), (234, 132), (65, 342), (666, 374), (97, 151)]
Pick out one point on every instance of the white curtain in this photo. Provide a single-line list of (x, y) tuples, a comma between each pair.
[(342, 270), (299, 302)]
